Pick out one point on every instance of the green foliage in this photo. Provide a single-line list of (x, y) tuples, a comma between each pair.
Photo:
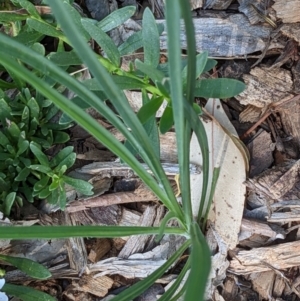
[(25, 171), (176, 82), (32, 269)]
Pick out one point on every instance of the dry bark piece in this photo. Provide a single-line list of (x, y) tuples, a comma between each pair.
[(129, 218), (258, 260), (229, 36), (291, 30), (116, 169), (99, 249), (112, 199), (262, 283), (217, 4), (250, 227), (289, 117), (253, 10), (137, 243), (138, 265), (296, 77), (75, 247), (250, 114), (261, 153), (290, 51), (279, 285), (287, 10), (96, 286), (265, 86), (277, 181), (109, 215)]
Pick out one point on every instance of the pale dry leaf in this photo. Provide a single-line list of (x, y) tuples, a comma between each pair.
[(228, 203)]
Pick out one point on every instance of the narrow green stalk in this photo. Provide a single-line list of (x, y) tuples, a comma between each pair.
[(173, 29), (214, 181), (191, 50), (52, 232), (170, 292)]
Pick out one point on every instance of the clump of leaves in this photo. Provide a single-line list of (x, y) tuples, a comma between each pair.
[(26, 172), (32, 269)]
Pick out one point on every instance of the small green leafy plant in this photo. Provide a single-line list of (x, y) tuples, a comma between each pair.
[(177, 82), (32, 269), (25, 171)]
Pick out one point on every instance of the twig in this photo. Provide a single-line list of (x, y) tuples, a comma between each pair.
[(271, 109)]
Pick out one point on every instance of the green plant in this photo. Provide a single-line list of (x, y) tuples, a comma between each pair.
[(25, 171), (177, 82), (32, 269)]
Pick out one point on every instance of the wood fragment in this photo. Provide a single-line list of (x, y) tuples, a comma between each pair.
[(217, 4), (277, 181), (291, 30), (99, 249), (230, 36), (258, 260), (287, 10), (75, 247), (265, 86), (111, 199), (136, 244), (250, 227), (261, 153), (262, 283), (96, 286)]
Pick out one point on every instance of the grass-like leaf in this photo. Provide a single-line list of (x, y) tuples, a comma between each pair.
[(48, 232), (173, 14), (200, 266)]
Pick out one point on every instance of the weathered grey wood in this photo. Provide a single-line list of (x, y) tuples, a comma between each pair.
[(266, 86), (230, 36), (75, 247), (116, 169), (277, 181), (217, 4), (278, 257), (137, 243), (250, 227)]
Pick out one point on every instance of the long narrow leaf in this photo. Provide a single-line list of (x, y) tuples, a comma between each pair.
[(218, 88), (173, 15), (200, 268), (30, 267), (199, 130), (170, 292), (48, 232), (104, 41), (150, 39), (116, 18), (26, 293)]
